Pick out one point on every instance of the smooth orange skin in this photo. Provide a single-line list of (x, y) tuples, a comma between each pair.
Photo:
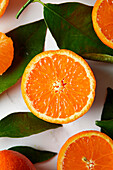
[(96, 26), (3, 9), (74, 138), (12, 160)]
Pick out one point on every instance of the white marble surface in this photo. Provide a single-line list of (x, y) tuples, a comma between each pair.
[(12, 101)]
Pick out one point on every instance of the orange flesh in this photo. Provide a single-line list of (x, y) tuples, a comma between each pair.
[(58, 86), (88, 153), (3, 6), (105, 18), (6, 52)]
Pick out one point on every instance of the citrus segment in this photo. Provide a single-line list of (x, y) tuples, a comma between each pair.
[(77, 101), (88, 150), (3, 6), (58, 86), (53, 107), (102, 17), (6, 52), (110, 3)]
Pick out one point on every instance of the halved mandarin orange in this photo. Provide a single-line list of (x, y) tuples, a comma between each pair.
[(3, 6), (58, 86), (88, 150), (6, 52), (102, 17)]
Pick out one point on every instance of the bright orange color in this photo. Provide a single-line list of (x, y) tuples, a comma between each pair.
[(3, 6), (88, 150), (102, 17), (6, 52), (58, 86), (12, 160)]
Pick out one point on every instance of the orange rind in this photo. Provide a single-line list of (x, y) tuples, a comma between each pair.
[(58, 86)]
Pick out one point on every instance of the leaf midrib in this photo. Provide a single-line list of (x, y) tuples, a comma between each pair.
[(68, 21)]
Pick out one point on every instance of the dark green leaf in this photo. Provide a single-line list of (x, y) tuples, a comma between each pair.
[(106, 122), (107, 127), (28, 42), (23, 124), (71, 26), (34, 155), (107, 113)]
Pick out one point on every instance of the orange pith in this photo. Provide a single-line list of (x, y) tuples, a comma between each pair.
[(58, 86), (6, 52), (88, 150), (102, 17), (3, 6)]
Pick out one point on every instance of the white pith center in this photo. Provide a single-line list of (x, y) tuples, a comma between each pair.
[(89, 163), (58, 86)]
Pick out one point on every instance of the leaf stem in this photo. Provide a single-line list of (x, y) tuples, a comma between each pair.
[(26, 4), (98, 57), (39, 2), (21, 10)]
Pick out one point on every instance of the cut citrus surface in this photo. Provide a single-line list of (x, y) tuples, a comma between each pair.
[(58, 86), (12, 160), (3, 6), (102, 17), (6, 52), (88, 150)]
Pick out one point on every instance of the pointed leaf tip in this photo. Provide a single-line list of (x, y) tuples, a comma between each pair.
[(100, 123), (106, 122), (34, 155), (23, 124), (97, 122)]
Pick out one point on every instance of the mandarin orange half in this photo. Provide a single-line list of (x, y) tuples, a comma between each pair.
[(88, 150), (58, 86), (102, 17), (6, 52), (3, 6)]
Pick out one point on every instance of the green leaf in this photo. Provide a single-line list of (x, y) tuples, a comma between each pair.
[(34, 155), (106, 122), (71, 26), (107, 112), (106, 126), (99, 57), (28, 42), (23, 124)]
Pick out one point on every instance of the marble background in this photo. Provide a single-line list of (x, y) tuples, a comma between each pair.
[(12, 101)]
